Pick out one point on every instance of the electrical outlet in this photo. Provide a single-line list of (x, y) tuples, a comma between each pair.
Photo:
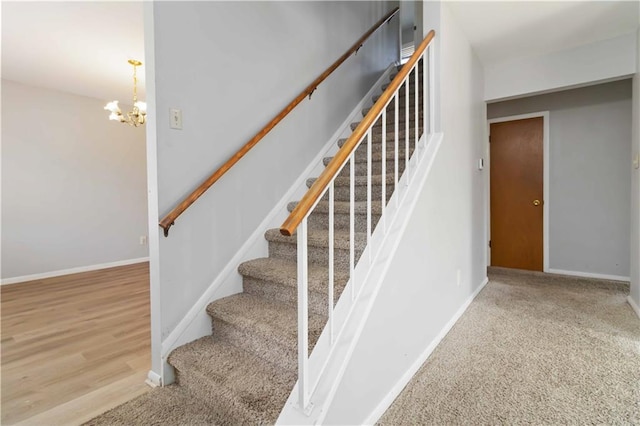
[(175, 118), (143, 240)]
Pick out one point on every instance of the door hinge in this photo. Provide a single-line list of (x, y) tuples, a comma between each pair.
[(489, 138), (489, 243)]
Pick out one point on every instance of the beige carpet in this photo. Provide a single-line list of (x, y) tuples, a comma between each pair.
[(532, 349)]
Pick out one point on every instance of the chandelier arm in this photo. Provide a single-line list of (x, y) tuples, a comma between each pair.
[(135, 117)]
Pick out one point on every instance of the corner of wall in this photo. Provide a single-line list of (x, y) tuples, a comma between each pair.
[(635, 186)]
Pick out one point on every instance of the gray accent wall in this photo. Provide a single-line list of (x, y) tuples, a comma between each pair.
[(589, 175), (230, 67)]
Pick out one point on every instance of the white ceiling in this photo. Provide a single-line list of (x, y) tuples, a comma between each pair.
[(77, 47), (83, 47), (500, 30)]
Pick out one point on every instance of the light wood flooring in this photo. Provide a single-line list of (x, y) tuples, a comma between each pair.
[(74, 346)]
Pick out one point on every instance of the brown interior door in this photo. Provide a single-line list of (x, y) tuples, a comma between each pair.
[(516, 194)]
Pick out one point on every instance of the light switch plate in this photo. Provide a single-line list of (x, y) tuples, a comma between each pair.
[(175, 118)]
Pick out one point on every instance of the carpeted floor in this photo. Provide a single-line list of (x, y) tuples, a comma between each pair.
[(532, 349)]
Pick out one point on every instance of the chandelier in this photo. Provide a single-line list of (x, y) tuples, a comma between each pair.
[(135, 117)]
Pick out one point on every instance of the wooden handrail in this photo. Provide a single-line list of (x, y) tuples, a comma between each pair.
[(317, 189), (170, 218)]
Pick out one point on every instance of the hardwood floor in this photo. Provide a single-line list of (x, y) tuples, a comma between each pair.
[(74, 346)]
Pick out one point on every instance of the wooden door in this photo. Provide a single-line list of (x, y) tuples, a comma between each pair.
[(516, 194)]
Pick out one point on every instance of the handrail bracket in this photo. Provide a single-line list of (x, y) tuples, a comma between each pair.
[(166, 229)]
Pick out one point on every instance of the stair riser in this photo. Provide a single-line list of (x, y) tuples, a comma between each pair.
[(318, 302), (319, 220), (376, 167), (376, 144), (361, 156), (401, 110), (376, 131), (268, 349), (342, 193), (390, 123), (230, 410), (316, 255), (401, 118)]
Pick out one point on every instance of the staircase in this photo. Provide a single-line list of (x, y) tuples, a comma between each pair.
[(244, 372)]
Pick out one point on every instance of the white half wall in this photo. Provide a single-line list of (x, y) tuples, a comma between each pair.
[(440, 262), (231, 67), (597, 62), (589, 168), (73, 185), (635, 186)]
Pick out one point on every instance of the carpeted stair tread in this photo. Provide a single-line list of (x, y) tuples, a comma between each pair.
[(359, 180), (249, 388), (401, 109), (376, 146), (376, 130), (343, 207), (285, 272), (319, 238), (375, 157), (266, 328)]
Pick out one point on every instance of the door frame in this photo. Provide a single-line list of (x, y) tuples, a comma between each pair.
[(545, 180)]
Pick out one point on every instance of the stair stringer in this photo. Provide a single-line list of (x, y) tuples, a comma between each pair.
[(197, 323), (327, 363)]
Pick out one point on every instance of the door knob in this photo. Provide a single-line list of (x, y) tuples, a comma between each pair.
[(536, 202)]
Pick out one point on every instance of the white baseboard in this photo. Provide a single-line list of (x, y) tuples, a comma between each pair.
[(395, 390), (588, 275), (196, 323), (634, 306), (77, 270), (153, 379)]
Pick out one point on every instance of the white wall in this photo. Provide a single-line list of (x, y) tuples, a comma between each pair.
[(73, 183), (446, 234), (635, 189), (589, 168), (604, 60), (230, 67)]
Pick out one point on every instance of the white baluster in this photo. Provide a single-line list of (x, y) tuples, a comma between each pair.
[(369, 193), (424, 95), (384, 169), (406, 128), (416, 123), (352, 205), (303, 317), (331, 260), (396, 123), (432, 94)]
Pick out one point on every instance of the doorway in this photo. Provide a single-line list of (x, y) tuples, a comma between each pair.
[(518, 192)]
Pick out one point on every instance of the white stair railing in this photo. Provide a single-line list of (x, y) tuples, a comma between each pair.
[(421, 68)]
